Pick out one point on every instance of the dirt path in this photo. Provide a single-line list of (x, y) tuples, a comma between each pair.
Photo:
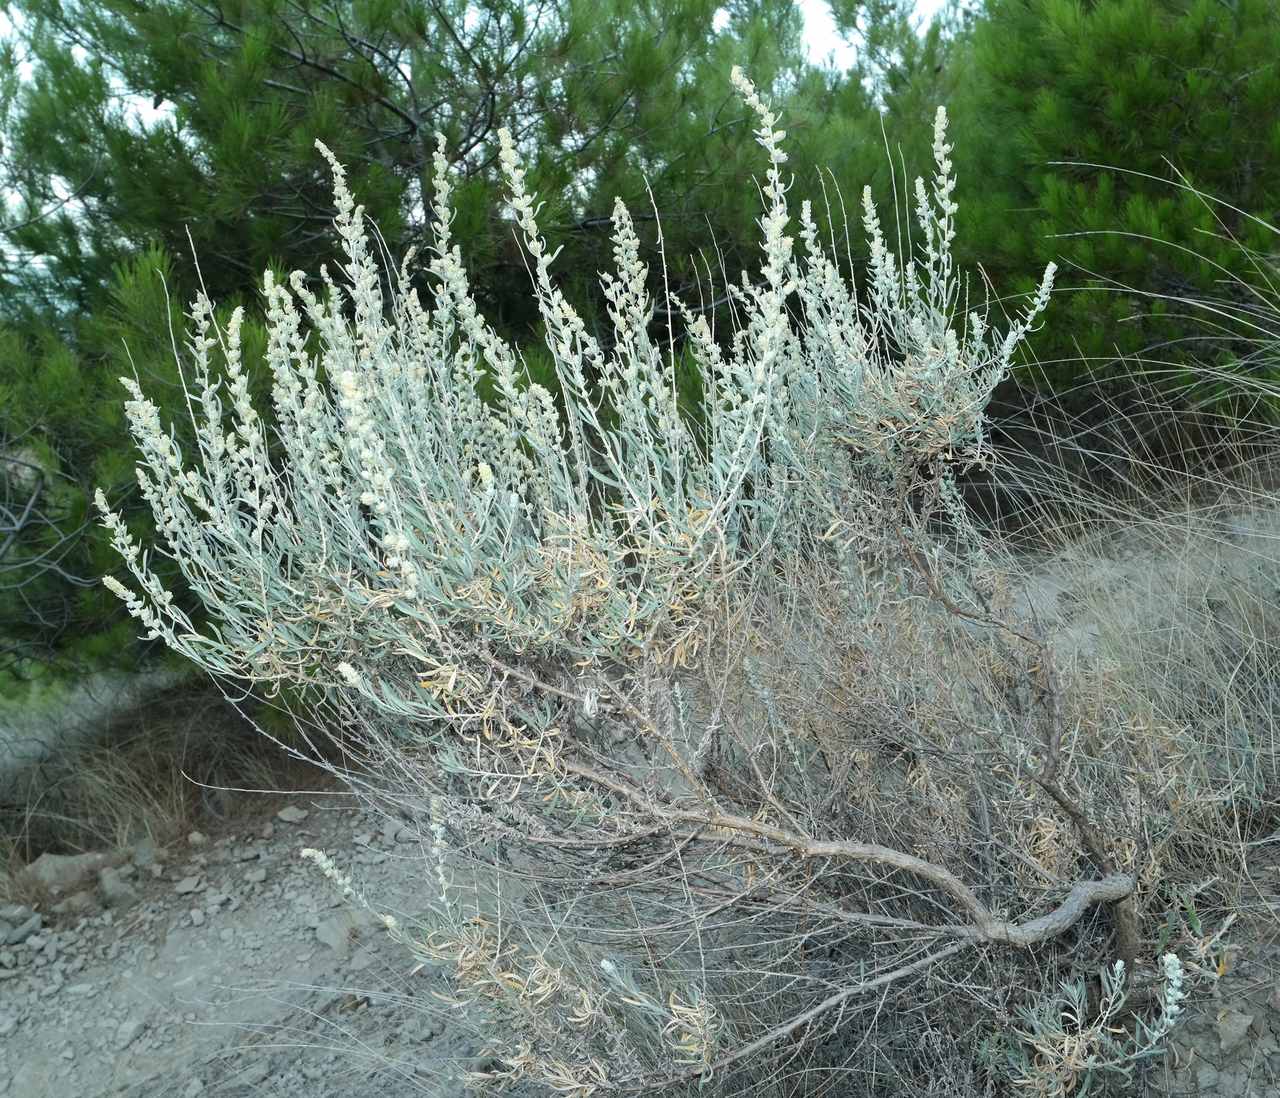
[(225, 966)]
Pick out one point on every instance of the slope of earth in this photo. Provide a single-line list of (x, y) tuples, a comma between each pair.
[(1146, 589)]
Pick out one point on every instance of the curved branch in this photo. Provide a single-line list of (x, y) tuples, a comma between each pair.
[(56, 206), (986, 926)]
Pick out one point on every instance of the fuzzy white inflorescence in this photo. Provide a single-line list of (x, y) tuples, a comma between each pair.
[(412, 517)]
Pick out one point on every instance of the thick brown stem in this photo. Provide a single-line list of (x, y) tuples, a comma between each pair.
[(985, 925)]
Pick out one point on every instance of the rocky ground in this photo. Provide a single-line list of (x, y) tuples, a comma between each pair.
[(228, 966), (1230, 1046), (224, 965)]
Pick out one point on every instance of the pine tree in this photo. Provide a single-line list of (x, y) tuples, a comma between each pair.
[(607, 97), (1075, 123)]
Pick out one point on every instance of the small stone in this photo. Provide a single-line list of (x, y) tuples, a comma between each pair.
[(363, 958), (80, 989), (144, 853), (268, 830), (15, 913), (75, 904), (197, 838), (23, 932), (63, 872), (336, 933), (8, 1023), (1233, 1027), (292, 814), (187, 885), (194, 1087), (256, 875), (197, 917), (127, 1032), (115, 889)]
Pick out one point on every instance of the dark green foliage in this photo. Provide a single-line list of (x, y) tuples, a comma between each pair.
[(603, 96), (1075, 124)]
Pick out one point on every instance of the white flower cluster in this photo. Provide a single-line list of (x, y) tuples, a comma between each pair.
[(1069, 1042), (1174, 994), (346, 889), (438, 846)]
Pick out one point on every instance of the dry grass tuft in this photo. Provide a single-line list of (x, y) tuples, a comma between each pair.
[(172, 764)]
